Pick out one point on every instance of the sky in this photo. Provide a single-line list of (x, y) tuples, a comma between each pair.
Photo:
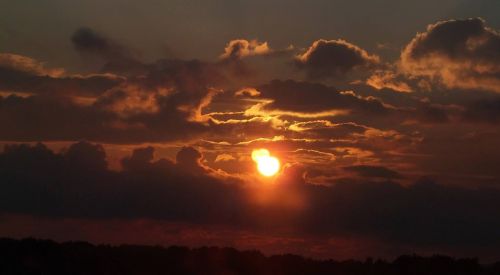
[(135, 122)]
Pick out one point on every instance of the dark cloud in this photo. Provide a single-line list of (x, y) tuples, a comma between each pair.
[(29, 77), (431, 114), (370, 171), (189, 158), (167, 94), (44, 119), (139, 157), (486, 110), (121, 60), (314, 98), (172, 95), (333, 58), (424, 213), (146, 104), (83, 154), (461, 54), (76, 183), (325, 128), (88, 40), (117, 58)]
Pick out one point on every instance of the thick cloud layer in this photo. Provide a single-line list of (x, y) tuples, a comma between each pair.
[(316, 98), (76, 183), (144, 105), (25, 75)]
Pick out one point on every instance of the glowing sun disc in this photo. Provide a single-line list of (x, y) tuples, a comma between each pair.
[(267, 165)]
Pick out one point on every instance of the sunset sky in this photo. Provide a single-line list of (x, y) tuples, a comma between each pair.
[(135, 122)]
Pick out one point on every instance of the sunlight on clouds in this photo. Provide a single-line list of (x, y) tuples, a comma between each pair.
[(224, 157), (259, 110), (266, 164), (247, 92)]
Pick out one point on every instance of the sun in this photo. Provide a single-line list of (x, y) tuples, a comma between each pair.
[(267, 165)]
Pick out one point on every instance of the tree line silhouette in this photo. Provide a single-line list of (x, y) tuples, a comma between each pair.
[(33, 256)]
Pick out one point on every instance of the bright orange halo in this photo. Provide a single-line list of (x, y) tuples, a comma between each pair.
[(267, 165)]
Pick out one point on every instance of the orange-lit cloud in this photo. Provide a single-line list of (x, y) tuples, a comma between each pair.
[(28, 65), (241, 48), (388, 79), (457, 54)]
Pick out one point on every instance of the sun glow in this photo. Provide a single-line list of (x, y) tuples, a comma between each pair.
[(266, 164)]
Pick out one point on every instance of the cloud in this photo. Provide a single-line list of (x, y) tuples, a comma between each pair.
[(325, 128), (189, 158), (76, 183), (139, 157), (172, 95), (224, 157), (389, 80), (88, 86), (27, 65), (21, 74), (88, 40), (462, 54), (333, 58), (38, 118), (118, 58), (310, 97), (342, 149), (485, 110), (370, 171), (241, 48), (144, 104)]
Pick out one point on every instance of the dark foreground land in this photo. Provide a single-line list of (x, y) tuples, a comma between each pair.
[(30, 256)]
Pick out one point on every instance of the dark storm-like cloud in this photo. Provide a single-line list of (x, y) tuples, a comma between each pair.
[(89, 41), (424, 213), (117, 57), (143, 102), (334, 58), (76, 183), (314, 97), (461, 54), (307, 101), (169, 95), (25, 75), (370, 171), (140, 102), (37, 118), (324, 128), (129, 113), (486, 110), (121, 60)]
